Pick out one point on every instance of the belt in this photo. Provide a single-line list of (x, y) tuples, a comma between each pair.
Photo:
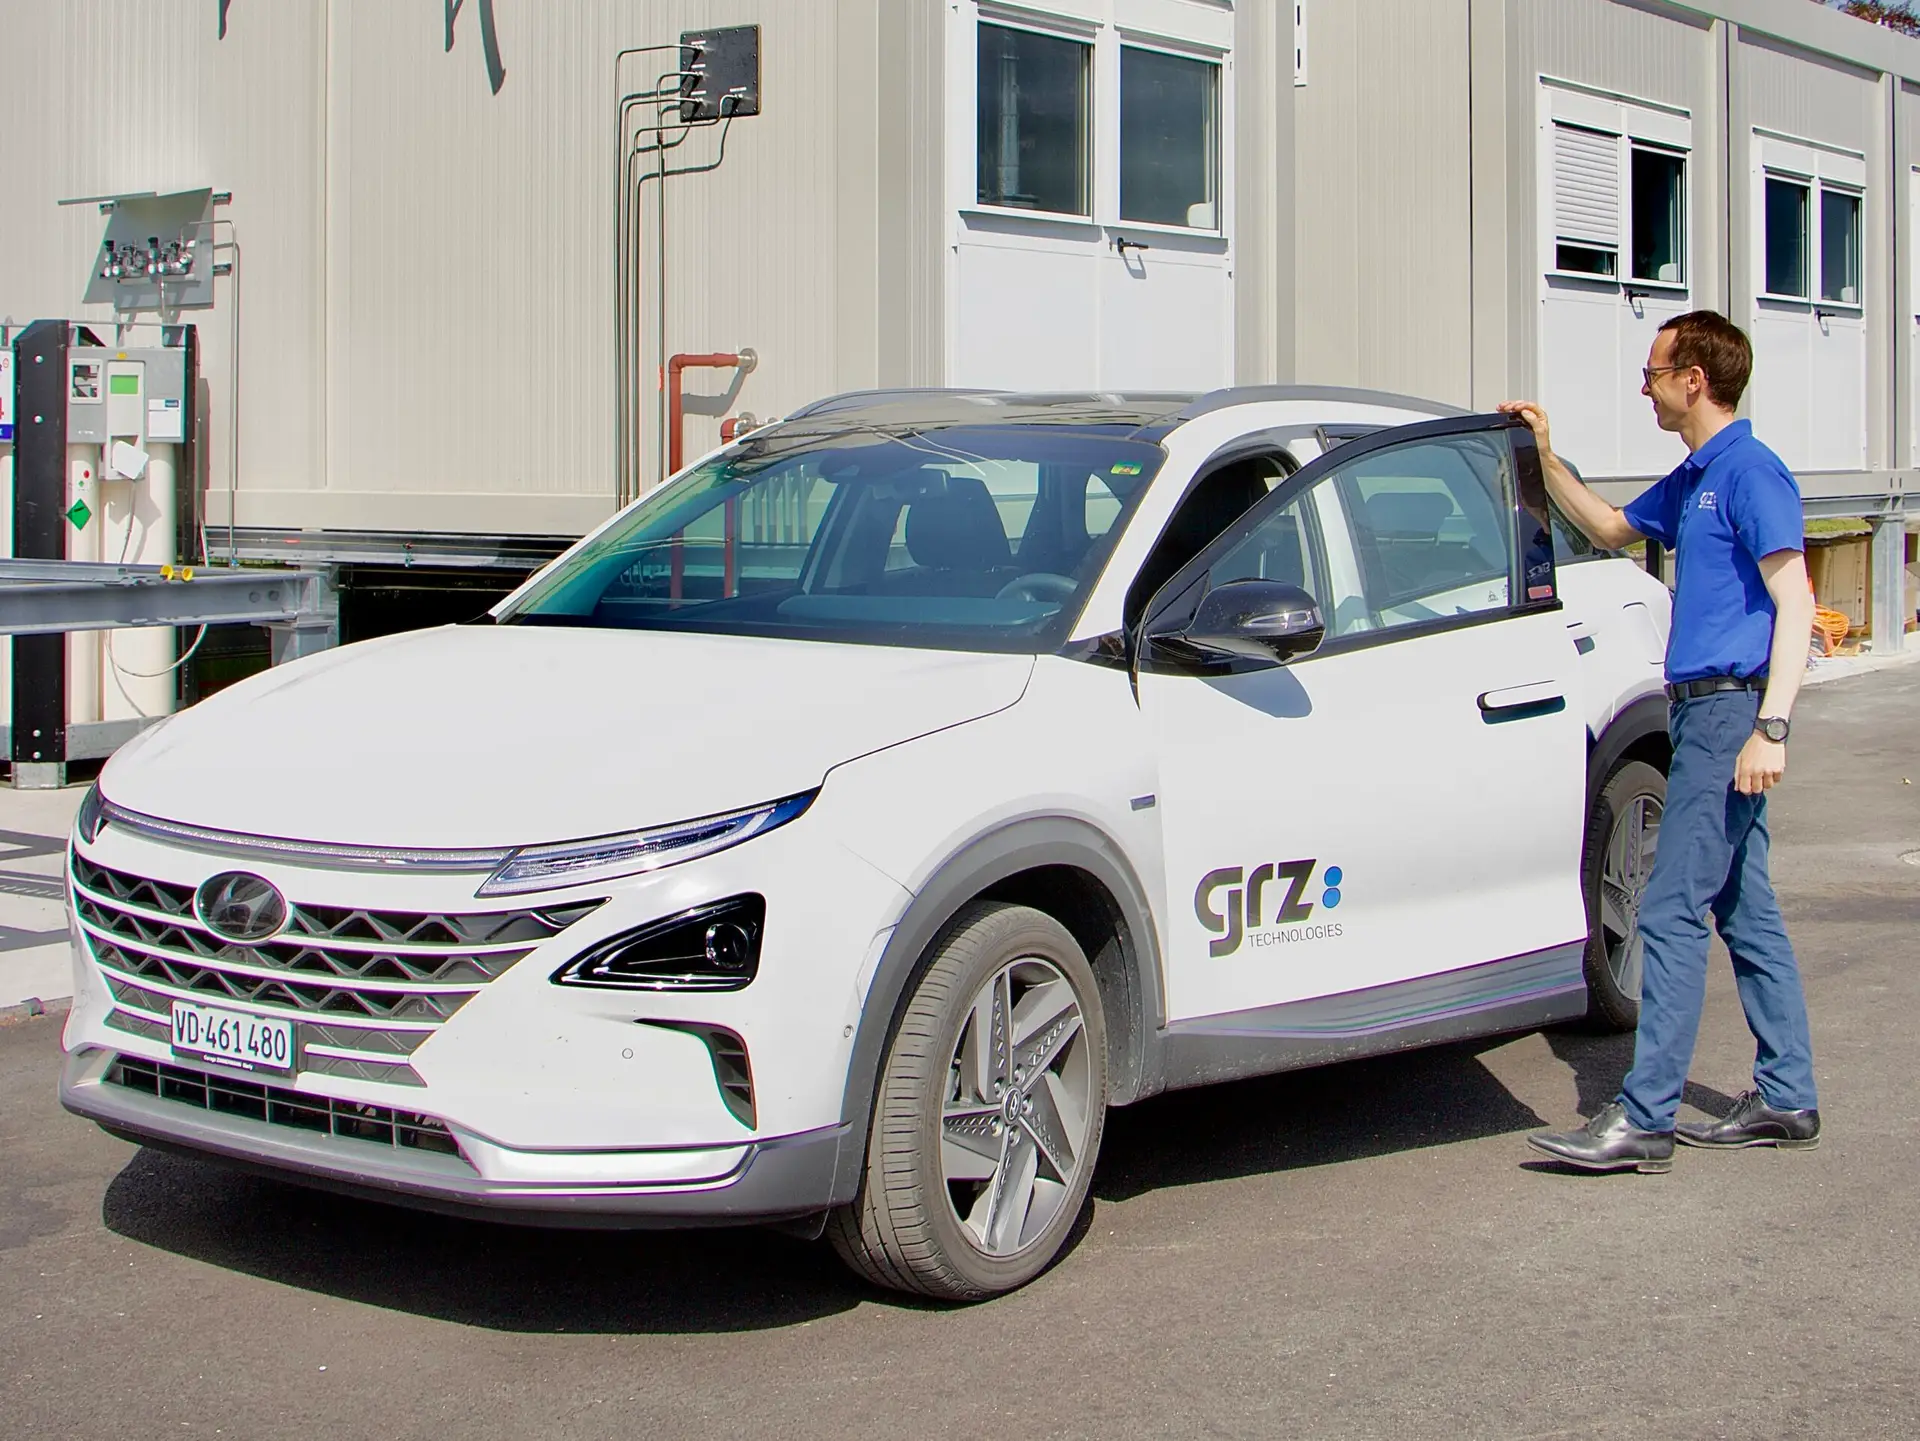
[(1713, 685)]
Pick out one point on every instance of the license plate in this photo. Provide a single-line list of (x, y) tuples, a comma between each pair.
[(257, 1043)]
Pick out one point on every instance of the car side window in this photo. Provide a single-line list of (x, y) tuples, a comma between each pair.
[(1307, 543), (1432, 527)]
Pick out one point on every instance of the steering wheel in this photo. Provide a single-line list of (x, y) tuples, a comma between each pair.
[(1038, 585)]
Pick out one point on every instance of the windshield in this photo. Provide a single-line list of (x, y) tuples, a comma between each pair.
[(956, 537)]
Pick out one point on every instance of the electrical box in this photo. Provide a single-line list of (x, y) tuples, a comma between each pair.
[(136, 396), (724, 73)]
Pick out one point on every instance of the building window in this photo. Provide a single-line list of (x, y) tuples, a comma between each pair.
[(1839, 246), (1032, 152), (1586, 201), (1658, 210), (1169, 139), (1786, 238)]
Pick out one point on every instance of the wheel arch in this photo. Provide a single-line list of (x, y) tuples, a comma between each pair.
[(1638, 732), (1066, 868)]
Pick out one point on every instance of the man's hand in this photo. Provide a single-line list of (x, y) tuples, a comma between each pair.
[(1603, 524), (1762, 762), (1536, 420)]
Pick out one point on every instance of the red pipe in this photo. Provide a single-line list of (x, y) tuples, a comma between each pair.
[(675, 365)]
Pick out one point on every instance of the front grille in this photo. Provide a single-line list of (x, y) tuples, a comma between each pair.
[(368, 986), (278, 1106)]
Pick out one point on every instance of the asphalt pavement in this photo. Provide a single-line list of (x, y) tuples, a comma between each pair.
[(1362, 1251)]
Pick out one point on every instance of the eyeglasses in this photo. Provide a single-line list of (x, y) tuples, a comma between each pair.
[(1647, 373)]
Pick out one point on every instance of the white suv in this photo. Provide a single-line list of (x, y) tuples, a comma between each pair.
[(836, 833)]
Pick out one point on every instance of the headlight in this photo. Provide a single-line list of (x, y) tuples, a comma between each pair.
[(714, 947), (92, 816), (572, 863)]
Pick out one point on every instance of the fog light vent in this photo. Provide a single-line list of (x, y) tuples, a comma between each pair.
[(732, 1072)]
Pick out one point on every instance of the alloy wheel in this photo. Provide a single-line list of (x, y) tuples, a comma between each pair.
[(1623, 881), (1018, 1107)]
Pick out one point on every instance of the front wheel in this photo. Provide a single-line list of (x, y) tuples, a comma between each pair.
[(989, 1114), (1623, 835)]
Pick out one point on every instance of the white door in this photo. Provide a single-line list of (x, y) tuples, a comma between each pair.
[(1409, 799)]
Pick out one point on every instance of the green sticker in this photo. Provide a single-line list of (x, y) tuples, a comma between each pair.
[(79, 514), (1126, 467)]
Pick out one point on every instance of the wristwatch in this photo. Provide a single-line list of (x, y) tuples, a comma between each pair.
[(1773, 727)]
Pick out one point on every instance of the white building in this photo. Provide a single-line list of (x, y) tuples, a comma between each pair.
[(1463, 199)]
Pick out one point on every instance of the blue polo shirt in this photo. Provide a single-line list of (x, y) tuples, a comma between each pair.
[(1730, 503)]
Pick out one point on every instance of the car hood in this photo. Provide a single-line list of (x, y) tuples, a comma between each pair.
[(513, 735)]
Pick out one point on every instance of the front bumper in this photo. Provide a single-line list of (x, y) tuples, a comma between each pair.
[(669, 1186)]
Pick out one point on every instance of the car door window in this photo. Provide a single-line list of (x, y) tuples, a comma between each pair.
[(1402, 534), (1432, 526)]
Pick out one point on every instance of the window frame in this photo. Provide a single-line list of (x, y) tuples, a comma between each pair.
[(1216, 123), (1817, 222), (1808, 187), (1684, 242), (1817, 169), (1529, 561), (1633, 125), (1090, 111)]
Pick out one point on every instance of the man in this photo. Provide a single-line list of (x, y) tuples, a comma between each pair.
[(1742, 617)]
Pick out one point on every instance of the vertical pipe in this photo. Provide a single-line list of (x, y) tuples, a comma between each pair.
[(660, 266)]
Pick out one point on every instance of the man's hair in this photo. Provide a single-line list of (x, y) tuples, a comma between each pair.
[(1709, 340)]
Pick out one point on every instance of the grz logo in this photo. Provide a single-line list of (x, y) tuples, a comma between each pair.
[(1709, 501), (1243, 907)]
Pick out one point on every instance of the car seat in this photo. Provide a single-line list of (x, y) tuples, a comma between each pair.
[(955, 538)]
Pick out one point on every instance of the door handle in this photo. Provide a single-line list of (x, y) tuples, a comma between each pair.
[(1521, 702)]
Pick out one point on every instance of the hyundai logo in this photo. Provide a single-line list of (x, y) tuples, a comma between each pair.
[(242, 908)]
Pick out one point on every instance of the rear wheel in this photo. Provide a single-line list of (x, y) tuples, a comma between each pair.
[(989, 1114), (1623, 836)]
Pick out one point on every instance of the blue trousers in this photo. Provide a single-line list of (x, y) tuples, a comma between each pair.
[(1712, 857)]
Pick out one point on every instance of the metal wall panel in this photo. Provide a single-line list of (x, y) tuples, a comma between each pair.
[(429, 270), (493, 314), (128, 95), (1383, 215), (1809, 96), (1263, 275), (1646, 53)]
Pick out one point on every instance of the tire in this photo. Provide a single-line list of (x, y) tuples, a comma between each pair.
[(1622, 838), (937, 1214)]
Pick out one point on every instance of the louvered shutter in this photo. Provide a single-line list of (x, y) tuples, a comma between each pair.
[(1586, 187)]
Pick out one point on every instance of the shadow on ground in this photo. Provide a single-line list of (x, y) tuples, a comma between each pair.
[(476, 1273), (514, 1278)]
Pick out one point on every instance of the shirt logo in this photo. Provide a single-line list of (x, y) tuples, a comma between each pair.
[(1708, 501)]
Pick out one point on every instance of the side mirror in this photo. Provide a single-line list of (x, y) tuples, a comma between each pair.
[(1267, 621)]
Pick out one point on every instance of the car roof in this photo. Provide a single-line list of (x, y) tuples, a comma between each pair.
[(1149, 413)]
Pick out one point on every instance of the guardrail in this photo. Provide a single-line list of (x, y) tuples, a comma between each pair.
[(45, 597)]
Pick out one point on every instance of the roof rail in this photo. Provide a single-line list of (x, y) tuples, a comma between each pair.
[(1248, 394), (848, 399)]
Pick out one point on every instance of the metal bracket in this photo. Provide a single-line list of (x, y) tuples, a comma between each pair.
[(49, 597)]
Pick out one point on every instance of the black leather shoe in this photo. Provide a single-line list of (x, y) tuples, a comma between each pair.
[(1609, 1142), (1752, 1122)]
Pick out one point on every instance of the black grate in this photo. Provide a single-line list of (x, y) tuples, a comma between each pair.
[(279, 1106)]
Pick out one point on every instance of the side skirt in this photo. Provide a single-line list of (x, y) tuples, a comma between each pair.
[(1519, 993)]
